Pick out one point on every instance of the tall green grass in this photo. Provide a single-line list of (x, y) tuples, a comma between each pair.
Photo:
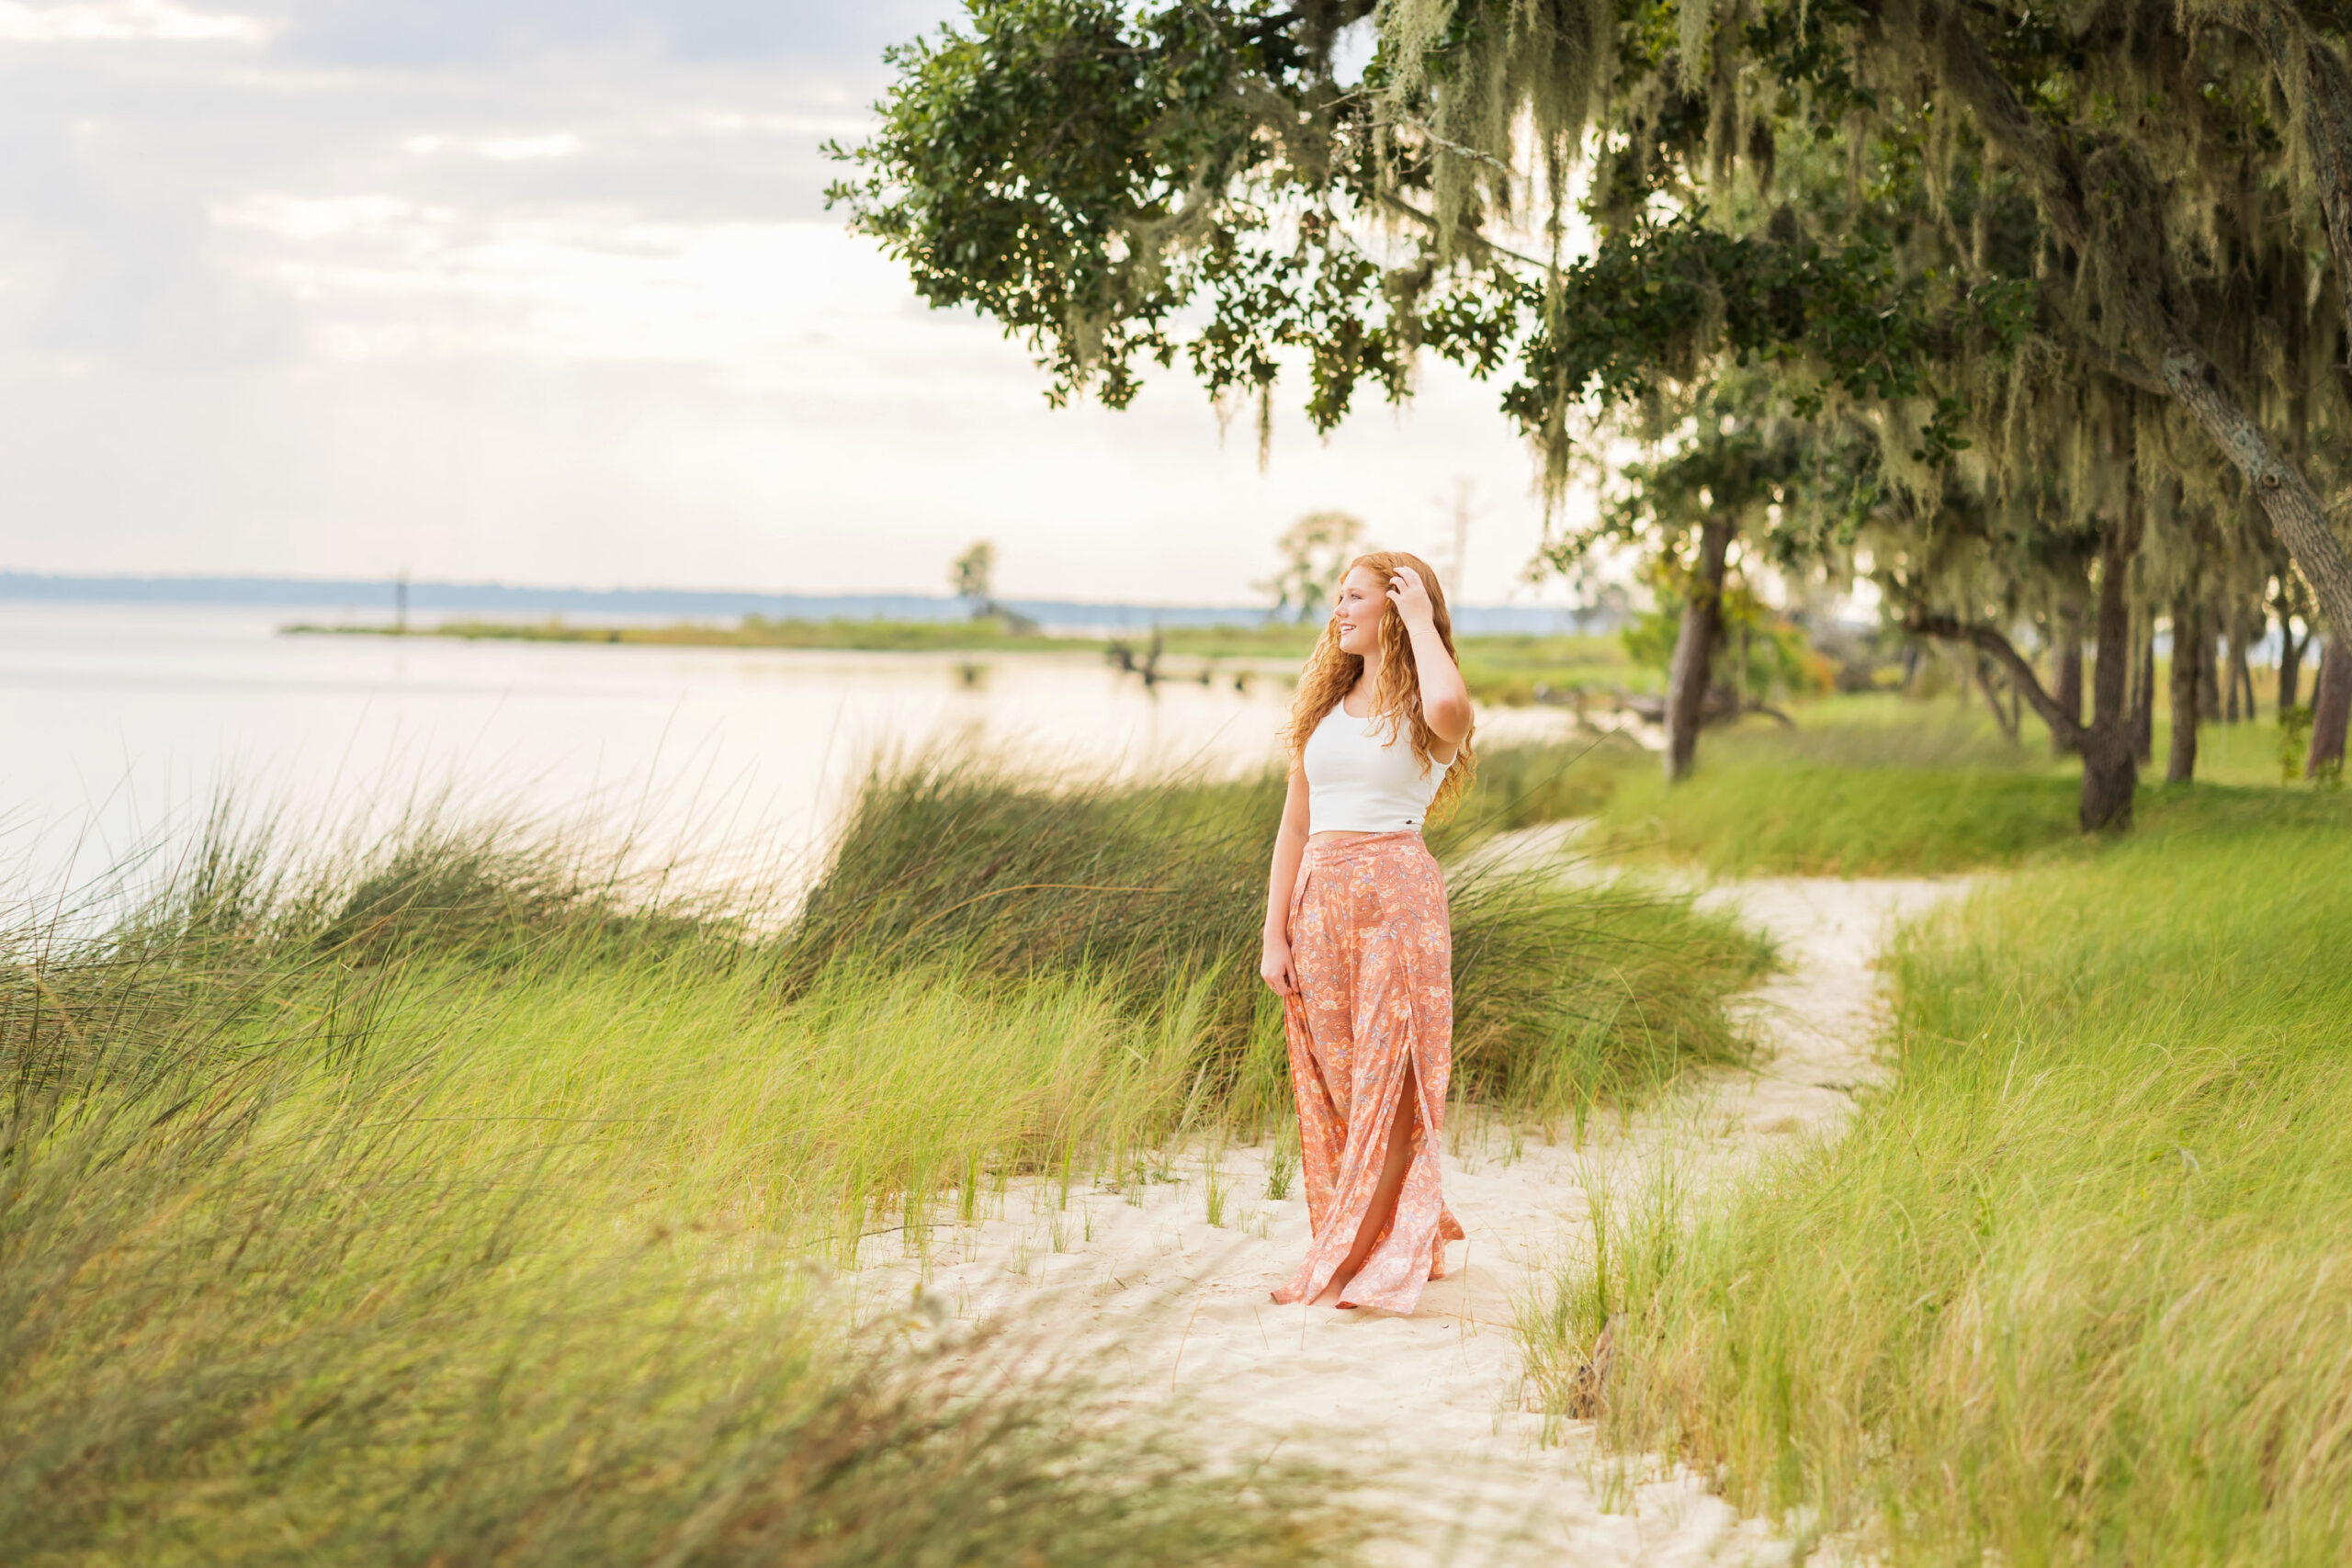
[(454, 1196), (1563, 997), (316, 1249), (2075, 1289)]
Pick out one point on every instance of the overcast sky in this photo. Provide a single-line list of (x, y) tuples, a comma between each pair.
[(545, 290)]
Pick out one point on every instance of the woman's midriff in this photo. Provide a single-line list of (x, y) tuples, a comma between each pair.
[(1341, 836)]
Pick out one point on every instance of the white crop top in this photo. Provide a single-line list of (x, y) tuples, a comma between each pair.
[(1359, 781)]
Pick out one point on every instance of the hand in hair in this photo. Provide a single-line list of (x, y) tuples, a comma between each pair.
[(1411, 597)]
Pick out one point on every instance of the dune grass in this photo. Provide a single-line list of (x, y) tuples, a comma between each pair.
[(2074, 1291), (306, 1256), (459, 1196), (1563, 999)]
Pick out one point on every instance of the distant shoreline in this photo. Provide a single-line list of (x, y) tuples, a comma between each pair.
[(450, 598), (966, 636), (1509, 669)]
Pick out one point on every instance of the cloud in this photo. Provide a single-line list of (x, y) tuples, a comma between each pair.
[(125, 21), (548, 292), (451, 32)]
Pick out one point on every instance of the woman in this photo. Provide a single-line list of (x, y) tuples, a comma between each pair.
[(1357, 940)]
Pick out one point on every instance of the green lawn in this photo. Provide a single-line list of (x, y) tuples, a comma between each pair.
[(1878, 786)]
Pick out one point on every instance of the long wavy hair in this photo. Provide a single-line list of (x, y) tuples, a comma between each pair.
[(1329, 674)]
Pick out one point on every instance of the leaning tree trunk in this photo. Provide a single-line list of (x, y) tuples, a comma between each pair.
[(2068, 676), (2110, 763), (1694, 650), (2004, 714), (2331, 707), (2192, 651)]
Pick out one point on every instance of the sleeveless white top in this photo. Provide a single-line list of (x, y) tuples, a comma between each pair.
[(1359, 781)]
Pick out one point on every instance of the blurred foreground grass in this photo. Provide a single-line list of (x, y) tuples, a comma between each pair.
[(2074, 1291), (447, 1199)]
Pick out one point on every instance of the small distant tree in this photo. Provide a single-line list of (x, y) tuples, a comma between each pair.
[(973, 577), (1315, 550)]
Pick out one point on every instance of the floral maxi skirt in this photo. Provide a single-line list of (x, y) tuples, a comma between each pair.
[(1374, 955)]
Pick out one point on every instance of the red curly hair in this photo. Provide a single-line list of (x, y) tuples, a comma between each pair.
[(1330, 673)]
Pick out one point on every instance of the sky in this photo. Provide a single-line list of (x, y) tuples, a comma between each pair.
[(545, 291)]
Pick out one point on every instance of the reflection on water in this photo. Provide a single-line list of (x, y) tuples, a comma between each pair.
[(116, 721)]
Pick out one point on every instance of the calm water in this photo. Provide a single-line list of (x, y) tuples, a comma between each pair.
[(117, 723)]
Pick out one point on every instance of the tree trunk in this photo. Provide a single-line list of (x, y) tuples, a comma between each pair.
[(2287, 499), (2111, 777), (1694, 650), (2231, 659), (2291, 662), (2190, 649), (2111, 764), (2241, 664), (2068, 676), (2143, 698), (2209, 664), (2002, 713), (2331, 707)]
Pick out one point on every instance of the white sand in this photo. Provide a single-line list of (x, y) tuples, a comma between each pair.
[(1438, 1397)]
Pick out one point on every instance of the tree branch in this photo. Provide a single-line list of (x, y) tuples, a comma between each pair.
[(1987, 639), (2124, 368), (1389, 199)]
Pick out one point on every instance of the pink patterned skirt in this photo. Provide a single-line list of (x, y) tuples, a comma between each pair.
[(1374, 952)]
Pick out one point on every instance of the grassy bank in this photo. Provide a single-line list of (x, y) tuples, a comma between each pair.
[(2073, 1289), (453, 1199), (1882, 787)]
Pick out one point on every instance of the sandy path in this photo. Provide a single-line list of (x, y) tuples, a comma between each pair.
[(1182, 1304)]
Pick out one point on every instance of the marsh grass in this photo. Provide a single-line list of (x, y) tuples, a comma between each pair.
[(2075, 1288)]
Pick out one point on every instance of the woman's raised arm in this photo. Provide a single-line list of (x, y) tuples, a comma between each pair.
[(1445, 696)]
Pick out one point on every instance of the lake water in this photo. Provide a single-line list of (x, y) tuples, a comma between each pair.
[(117, 722)]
